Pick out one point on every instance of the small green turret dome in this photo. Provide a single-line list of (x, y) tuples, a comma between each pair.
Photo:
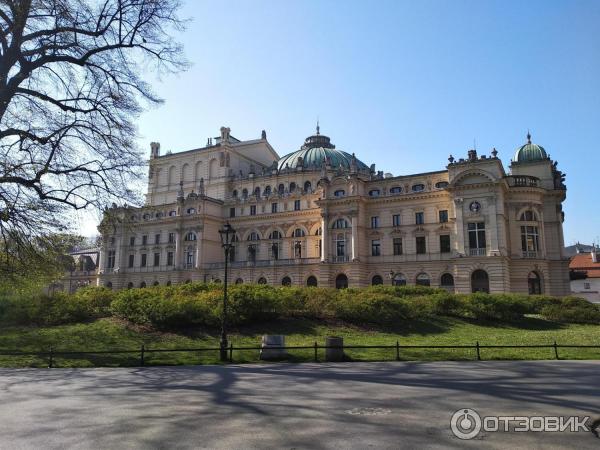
[(530, 152), (316, 149)]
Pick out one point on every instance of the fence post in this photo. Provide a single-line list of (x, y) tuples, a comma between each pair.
[(51, 361), (397, 350), (142, 350), (478, 354), (231, 352), (555, 350), (316, 357)]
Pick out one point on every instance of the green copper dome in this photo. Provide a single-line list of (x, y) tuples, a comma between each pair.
[(317, 148), (530, 152)]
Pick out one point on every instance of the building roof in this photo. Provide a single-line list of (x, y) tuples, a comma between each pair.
[(316, 149), (582, 262), (530, 152)]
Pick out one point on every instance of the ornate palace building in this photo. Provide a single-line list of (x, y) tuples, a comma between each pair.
[(321, 217)]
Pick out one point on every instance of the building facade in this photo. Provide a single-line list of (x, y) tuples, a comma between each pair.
[(585, 274), (321, 217)]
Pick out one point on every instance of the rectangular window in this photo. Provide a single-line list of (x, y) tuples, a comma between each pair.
[(169, 258), (375, 247), (157, 239), (444, 243), (340, 248), (144, 257), (189, 259), (530, 241), (396, 220), (273, 207), (231, 212), (110, 263), (144, 240), (296, 205), (419, 218), (275, 250), (131, 260), (443, 215), (171, 238), (252, 210), (586, 285), (397, 246), (157, 259), (132, 241), (476, 235), (375, 222), (421, 245)]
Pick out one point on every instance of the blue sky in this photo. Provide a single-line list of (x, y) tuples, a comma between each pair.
[(401, 83)]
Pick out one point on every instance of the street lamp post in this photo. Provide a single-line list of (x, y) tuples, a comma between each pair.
[(226, 233)]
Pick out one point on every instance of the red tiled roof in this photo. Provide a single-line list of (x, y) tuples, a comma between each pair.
[(582, 262)]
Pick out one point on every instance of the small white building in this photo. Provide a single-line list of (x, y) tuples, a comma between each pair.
[(585, 275)]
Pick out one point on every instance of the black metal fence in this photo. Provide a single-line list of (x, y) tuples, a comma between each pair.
[(143, 352)]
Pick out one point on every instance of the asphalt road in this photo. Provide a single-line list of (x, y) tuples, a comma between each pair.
[(288, 406)]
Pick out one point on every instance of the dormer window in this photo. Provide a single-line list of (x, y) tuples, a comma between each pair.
[(172, 213), (418, 187), (374, 193), (191, 211), (441, 184), (339, 193), (395, 190)]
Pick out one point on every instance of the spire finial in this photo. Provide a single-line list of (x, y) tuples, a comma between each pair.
[(318, 128), (528, 136)]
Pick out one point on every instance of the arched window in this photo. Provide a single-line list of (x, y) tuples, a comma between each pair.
[(299, 232), (262, 280), (399, 280), (281, 189), (395, 190), (188, 281), (234, 194), (172, 213), (253, 236), (374, 193), (447, 280), (143, 284), (418, 187), (191, 236), (257, 192), (340, 223), (244, 193), (129, 285), (267, 191), (534, 283), (169, 283), (239, 281), (275, 234), (528, 216), (441, 184), (156, 283), (341, 281), (216, 280), (108, 285), (307, 186), (292, 187), (286, 281), (423, 280), (376, 280), (311, 281), (191, 211), (480, 281), (339, 193)]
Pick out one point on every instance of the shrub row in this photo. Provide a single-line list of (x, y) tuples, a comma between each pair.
[(194, 304)]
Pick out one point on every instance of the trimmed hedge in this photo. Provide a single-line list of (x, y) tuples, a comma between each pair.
[(199, 304)]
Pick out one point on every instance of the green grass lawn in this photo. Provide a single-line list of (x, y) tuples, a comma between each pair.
[(112, 334)]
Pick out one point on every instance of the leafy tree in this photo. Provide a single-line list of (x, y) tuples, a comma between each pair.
[(71, 87)]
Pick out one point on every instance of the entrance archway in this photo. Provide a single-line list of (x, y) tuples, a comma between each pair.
[(480, 281), (376, 280), (341, 281), (534, 283), (311, 281)]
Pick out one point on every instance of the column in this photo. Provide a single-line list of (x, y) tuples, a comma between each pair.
[(354, 244), (198, 249), (324, 238), (178, 245), (460, 227), (493, 227)]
